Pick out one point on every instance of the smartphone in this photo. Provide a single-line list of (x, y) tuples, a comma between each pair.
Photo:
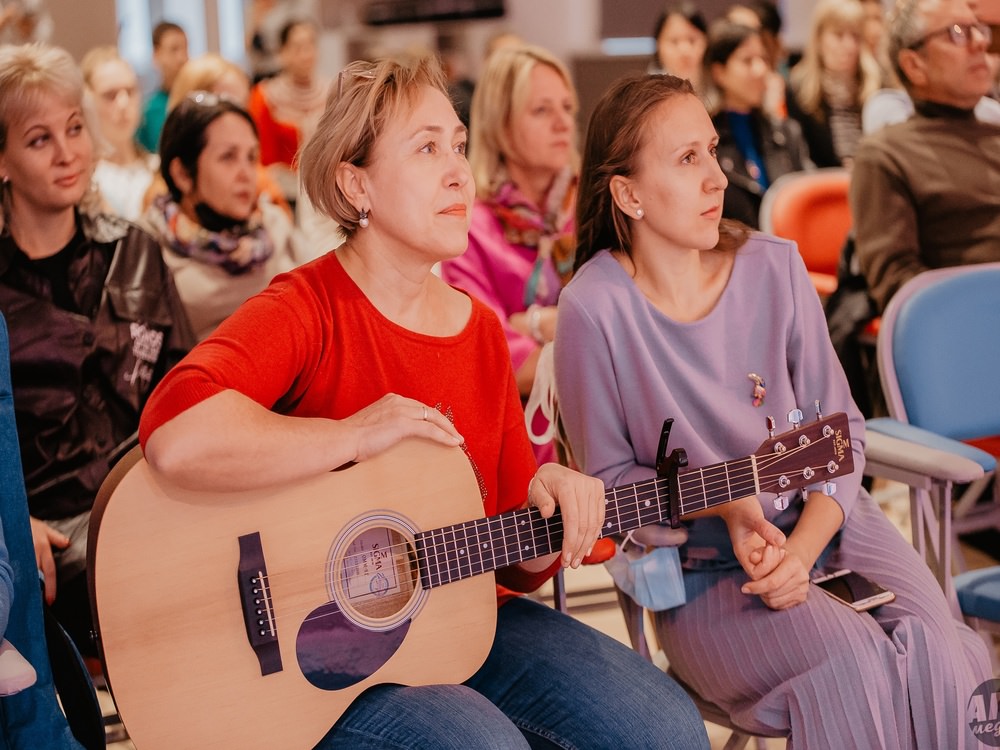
[(854, 590)]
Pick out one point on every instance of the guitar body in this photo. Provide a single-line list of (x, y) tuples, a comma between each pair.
[(328, 563)]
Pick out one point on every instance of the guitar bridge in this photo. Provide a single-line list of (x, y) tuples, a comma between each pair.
[(258, 606)]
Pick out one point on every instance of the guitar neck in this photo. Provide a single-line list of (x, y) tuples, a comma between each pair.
[(466, 549)]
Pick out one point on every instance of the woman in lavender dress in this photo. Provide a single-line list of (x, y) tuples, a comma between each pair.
[(672, 313)]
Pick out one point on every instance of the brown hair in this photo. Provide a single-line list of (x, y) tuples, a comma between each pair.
[(615, 137), (366, 96)]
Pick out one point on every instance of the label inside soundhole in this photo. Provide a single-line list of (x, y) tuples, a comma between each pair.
[(378, 572)]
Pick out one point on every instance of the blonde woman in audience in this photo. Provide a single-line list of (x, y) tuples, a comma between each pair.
[(222, 240), (125, 169), (524, 159), (213, 73), (829, 86), (287, 107), (93, 315)]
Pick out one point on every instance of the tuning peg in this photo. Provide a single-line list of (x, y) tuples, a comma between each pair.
[(780, 502), (770, 426), (795, 417), (829, 489), (819, 410)]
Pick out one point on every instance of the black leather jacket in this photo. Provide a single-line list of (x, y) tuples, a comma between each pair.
[(783, 150), (82, 375)]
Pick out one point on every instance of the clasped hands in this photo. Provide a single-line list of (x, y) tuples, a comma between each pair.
[(778, 574)]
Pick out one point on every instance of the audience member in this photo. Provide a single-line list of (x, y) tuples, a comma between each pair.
[(347, 356), (923, 192), (664, 318), (221, 239), (680, 35), (754, 148), (213, 73), (94, 319), (763, 15), (124, 170), (264, 22), (873, 37), (524, 160), (170, 52), (287, 107), (831, 82)]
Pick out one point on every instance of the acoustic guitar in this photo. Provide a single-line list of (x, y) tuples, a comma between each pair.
[(253, 619)]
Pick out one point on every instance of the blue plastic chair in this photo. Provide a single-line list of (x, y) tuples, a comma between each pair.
[(939, 363)]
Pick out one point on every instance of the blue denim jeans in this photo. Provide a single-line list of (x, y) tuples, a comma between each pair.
[(548, 682)]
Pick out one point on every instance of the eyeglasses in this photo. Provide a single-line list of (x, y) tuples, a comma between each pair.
[(352, 72), (959, 33)]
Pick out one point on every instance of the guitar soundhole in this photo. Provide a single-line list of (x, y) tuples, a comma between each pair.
[(374, 574)]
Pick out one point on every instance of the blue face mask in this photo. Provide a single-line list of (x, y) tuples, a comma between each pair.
[(652, 578)]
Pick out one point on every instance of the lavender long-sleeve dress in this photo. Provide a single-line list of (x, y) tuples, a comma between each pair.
[(899, 677)]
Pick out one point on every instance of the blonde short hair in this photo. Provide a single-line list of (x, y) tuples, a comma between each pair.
[(97, 56), (366, 96), (201, 74), (29, 71), (500, 94)]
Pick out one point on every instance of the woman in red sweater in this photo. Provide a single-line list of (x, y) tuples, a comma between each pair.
[(345, 357)]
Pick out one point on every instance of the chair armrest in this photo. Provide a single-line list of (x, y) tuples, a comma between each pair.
[(893, 444), (16, 672)]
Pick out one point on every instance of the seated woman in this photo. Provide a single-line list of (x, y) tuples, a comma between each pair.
[(754, 149), (125, 169), (344, 357), (93, 315), (524, 160), (287, 107), (831, 82), (680, 35), (221, 239), (671, 314)]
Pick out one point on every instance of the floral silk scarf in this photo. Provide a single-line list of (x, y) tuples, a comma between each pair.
[(549, 231)]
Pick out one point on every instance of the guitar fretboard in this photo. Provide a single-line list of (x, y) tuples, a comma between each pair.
[(452, 553)]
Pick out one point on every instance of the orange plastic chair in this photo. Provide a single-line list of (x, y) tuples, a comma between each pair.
[(812, 209)]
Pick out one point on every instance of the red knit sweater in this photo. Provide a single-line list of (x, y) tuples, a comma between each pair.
[(312, 345)]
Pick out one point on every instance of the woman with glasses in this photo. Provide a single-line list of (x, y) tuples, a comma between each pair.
[(344, 358), (93, 316), (223, 240), (125, 170), (831, 83)]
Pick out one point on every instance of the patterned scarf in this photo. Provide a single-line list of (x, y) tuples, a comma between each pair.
[(550, 231), (237, 250)]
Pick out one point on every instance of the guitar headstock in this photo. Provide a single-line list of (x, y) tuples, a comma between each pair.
[(806, 454)]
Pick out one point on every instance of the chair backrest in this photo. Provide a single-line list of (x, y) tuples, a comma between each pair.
[(31, 718), (939, 351), (811, 208)]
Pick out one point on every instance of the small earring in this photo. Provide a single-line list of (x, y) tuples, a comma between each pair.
[(639, 213), (6, 179), (363, 219)]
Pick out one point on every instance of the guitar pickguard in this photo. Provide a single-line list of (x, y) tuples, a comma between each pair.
[(358, 654)]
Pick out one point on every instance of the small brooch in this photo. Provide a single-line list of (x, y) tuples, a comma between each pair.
[(758, 388)]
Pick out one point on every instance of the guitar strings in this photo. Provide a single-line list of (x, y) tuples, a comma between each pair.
[(644, 493), (627, 517)]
